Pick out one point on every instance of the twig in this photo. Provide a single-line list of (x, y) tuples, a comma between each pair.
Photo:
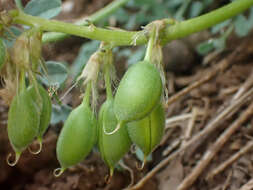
[(248, 185), (221, 67), (230, 161), (171, 122), (209, 155), (177, 119), (224, 64), (171, 147), (199, 138), (124, 166), (167, 135), (186, 90), (246, 85), (195, 113), (228, 180)]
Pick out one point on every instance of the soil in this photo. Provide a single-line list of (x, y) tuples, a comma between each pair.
[(230, 78)]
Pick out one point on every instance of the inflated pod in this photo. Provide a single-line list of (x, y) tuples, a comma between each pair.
[(112, 147), (23, 122), (46, 111), (77, 137), (138, 93), (44, 103), (147, 133)]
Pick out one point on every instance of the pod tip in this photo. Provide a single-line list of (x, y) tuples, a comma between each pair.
[(111, 172), (39, 149), (8, 159), (133, 149), (140, 167), (115, 130), (108, 178), (58, 172)]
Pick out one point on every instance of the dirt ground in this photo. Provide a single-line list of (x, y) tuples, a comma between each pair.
[(208, 140)]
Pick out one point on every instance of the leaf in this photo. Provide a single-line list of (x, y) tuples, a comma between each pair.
[(196, 8), (241, 26), (251, 18), (207, 2), (10, 36), (205, 47), (60, 113), (57, 74), (131, 23), (139, 154), (121, 15), (2, 53), (175, 3), (85, 52), (217, 28), (136, 56), (43, 8), (219, 43)]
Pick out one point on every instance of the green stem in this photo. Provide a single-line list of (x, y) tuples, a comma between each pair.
[(101, 14), (205, 21), (121, 38), (116, 37), (86, 98), (151, 44), (182, 9)]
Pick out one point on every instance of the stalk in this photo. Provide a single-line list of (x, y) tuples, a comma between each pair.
[(87, 94), (100, 14), (125, 38)]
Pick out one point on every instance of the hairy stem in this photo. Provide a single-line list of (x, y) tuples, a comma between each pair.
[(87, 94), (124, 38), (205, 21), (116, 37), (102, 13), (150, 46)]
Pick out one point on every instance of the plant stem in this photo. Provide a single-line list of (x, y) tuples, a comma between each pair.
[(205, 21), (116, 37), (102, 13), (151, 42), (87, 94), (125, 38)]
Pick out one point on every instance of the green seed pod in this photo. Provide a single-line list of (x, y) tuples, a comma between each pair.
[(147, 133), (35, 45), (2, 53), (20, 52), (23, 122), (112, 147), (46, 111), (138, 92), (77, 138), (45, 106)]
